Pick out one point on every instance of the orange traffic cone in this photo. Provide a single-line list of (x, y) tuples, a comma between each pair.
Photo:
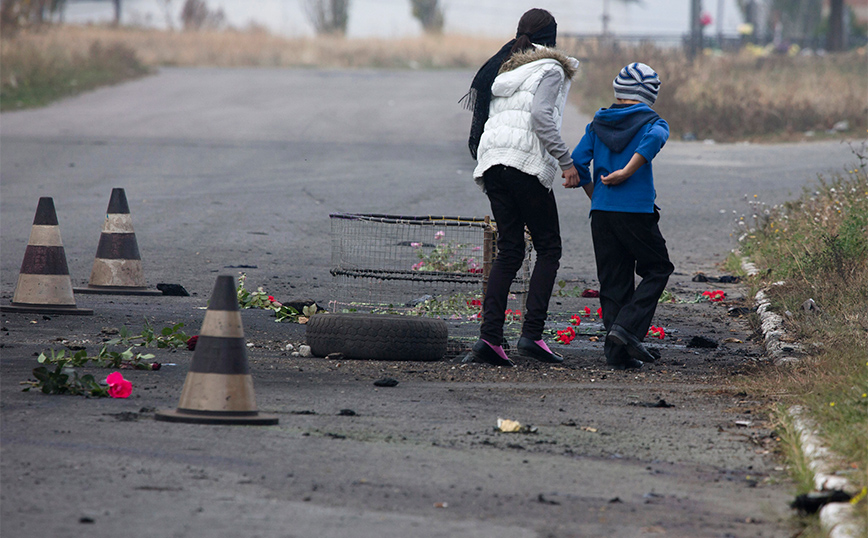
[(117, 268), (218, 388), (44, 285)]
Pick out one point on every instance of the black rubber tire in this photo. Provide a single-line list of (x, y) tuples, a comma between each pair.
[(377, 337)]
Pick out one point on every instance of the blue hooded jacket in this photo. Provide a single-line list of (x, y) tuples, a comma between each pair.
[(610, 140)]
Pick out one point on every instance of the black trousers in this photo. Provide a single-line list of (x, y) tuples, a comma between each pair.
[(624, 244), (519, 200)]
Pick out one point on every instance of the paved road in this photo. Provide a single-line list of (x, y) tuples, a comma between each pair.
[(214, 159), (230, 167)]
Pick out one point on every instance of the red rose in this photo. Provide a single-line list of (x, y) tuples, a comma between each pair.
[(118, 386), (191, 342)]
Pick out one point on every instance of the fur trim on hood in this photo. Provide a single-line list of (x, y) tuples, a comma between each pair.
[(519, 59)]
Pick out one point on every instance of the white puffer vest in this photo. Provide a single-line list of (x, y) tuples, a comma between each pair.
[(508, 138)]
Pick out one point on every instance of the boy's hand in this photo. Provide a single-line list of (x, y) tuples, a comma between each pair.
[(571, 175), (616, 177), (622, 175)]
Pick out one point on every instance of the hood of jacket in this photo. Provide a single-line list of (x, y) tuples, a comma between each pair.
[(617, 125), (522, 65)]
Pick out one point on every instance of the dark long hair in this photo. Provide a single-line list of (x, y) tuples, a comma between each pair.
[(535, 26)]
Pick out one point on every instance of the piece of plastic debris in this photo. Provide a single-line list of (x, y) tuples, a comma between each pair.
[(513, 426)]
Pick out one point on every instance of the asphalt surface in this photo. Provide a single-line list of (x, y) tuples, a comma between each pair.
[(239, 167)]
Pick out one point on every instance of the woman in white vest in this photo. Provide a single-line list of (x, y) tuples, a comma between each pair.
[(517, 99)]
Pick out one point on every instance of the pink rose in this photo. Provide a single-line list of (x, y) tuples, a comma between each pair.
[(118, 386)]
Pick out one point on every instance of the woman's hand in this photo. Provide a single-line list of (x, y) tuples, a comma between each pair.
[(571, 175)]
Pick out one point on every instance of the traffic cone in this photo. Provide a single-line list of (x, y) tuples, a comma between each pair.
[(117, 268), (218, 388), (44, 286)]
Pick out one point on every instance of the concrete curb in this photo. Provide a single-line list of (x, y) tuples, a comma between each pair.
[(772, 324), (838, 520)]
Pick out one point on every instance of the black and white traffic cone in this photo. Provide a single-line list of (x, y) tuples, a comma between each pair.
[(117, 268), (44, 285), (218, 388)]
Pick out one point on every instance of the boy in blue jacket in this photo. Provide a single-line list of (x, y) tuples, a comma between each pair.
[(622, 140)]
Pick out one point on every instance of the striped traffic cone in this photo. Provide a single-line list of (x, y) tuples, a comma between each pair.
[(44, 285), (218, 388), (117, 268)]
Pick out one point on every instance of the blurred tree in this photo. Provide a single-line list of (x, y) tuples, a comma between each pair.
[(835, 36), (328, 16), (195, 15), (430, 14), (799, 19), (18, 13)]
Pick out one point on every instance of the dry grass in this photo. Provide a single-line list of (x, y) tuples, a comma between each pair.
[(260, 49), (741, 96), (36, 74)]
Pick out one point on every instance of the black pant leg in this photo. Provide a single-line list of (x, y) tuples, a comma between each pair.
[(615, 265), (653, 266), (510, 252), (518, 199), (540, 213), (632, 239)]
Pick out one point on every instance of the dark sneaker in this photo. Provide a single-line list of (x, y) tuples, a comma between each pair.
[(619, 359), (482, 352), (529, 348), (617, 335)]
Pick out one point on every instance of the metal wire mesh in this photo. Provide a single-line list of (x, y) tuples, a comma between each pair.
[(393, 262)]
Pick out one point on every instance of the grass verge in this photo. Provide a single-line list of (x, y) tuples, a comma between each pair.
[(35, 74), (812, 254)]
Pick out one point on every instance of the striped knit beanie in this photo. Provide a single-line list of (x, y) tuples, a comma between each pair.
[(637, 81)]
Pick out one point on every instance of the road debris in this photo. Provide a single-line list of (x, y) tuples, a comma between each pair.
[(513, 426)]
